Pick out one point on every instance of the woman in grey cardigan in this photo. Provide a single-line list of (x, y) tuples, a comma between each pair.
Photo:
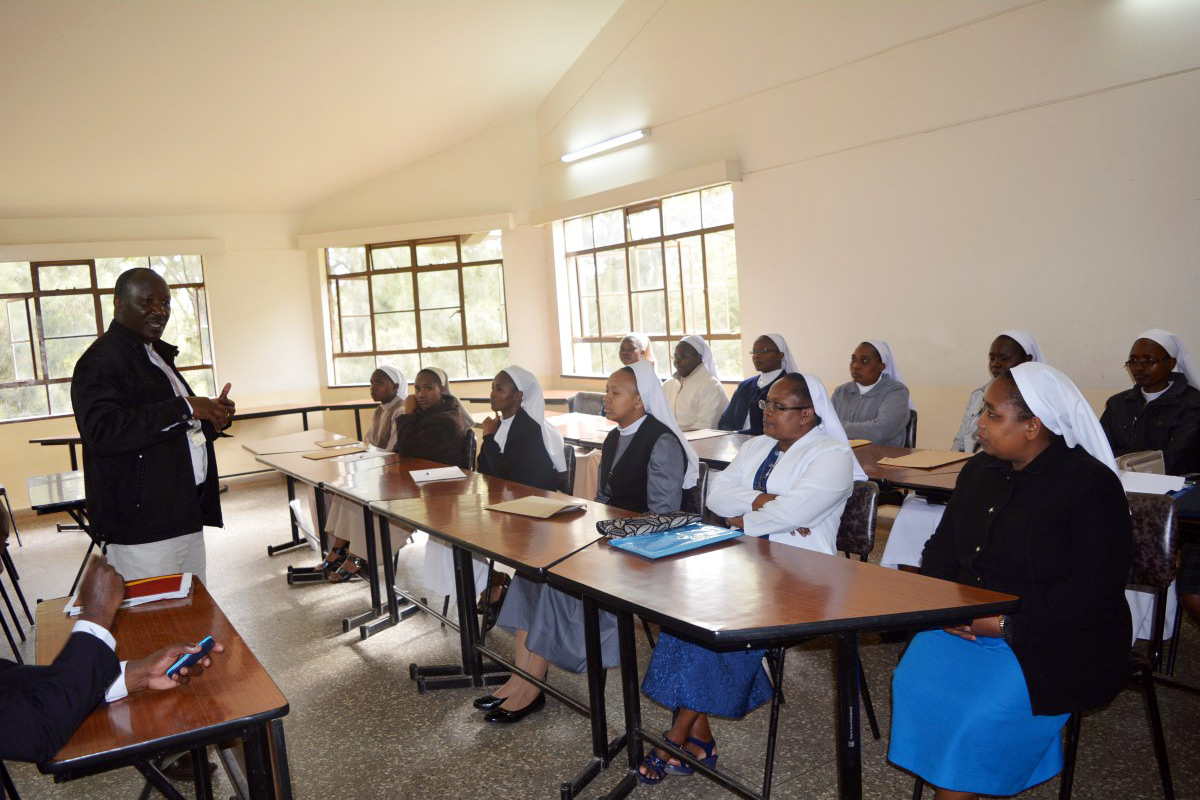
[(875, 404)]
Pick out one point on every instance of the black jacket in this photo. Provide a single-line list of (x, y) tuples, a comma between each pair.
[(745, 399), (137, 465), (436, 434), (1058, 535), (40, 707), (524, 458), (1171, 424)]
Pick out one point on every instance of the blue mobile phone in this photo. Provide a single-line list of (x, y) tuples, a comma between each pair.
[(191, 659)]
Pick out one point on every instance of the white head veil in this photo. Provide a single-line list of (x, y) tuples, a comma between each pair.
[(889, 364), (1175, 349), (789, 363), (396, 377), (441, 376), (1028, 342), (706, 355), (534, 404), (1055, 400), (830, 425), (643, 341), (655, 403)]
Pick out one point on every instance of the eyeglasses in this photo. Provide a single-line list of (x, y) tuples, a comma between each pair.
[(764, 352), (1145, 362), (771, 405)]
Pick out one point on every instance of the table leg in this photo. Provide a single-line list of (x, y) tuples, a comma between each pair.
[(310, 574), (358, 424), (304, 419), (11, 569), (631, 692), (372, 576), (849, 730), (258, 762), (158, 780), (297, 539), (283, 772), (200, 779), (74, 460), (775, 659)]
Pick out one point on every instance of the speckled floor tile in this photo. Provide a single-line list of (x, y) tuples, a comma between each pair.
[(359, 728)]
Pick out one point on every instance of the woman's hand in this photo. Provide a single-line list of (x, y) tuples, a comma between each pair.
[(490, 425), (761, 501), (410, 404), (735, 522), (984, 626)]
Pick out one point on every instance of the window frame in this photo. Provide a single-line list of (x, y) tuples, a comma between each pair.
[(35, 321), (338, 349)]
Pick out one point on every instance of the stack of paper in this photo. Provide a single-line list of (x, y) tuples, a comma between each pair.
[(436, 474), (540, 507), (925, 459), (146, 590)]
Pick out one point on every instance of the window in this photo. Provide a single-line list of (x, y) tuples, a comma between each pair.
[(664, 268), (50, 311), (427, 302)]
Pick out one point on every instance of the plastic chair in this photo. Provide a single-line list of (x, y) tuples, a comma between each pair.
[(910, 430), (587, 403), (569, 478), (856, 536), (470, 450)]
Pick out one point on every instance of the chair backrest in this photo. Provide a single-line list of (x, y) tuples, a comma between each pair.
[(568, 486), (910, 430), (694, 499), (587, 403), (856, 534), (1155, 547), (469, 449)]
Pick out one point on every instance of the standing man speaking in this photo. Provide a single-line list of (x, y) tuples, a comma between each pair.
[(149, 467)]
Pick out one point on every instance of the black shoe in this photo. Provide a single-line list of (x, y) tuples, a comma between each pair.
[(488, 702), (502, 716)]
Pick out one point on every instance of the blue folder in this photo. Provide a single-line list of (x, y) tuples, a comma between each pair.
[(679, 540)]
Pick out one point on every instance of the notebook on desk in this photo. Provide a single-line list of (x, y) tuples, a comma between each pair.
[(145, 590)]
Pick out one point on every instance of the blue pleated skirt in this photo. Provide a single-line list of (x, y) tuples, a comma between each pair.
[(961, 718), (685, 675)]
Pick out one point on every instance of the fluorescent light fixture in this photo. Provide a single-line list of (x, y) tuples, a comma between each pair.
[(607, 144)]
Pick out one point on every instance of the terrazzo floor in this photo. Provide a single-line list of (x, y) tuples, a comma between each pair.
[(358, 728)]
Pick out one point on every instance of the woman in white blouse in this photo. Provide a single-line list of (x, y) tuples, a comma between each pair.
[(694, 392)]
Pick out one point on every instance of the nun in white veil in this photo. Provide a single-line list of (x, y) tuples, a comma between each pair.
[(875, 404), (918, 518), (694, 392), (772, 358)]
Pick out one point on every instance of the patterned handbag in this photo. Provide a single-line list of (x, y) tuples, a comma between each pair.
[(645, 524)]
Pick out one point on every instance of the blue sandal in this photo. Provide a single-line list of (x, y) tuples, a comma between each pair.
[(657, 766), (709, 760)]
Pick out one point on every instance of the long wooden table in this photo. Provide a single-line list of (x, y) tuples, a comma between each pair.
[(937, 482), (714, 597), (559, 397), (234, 698)]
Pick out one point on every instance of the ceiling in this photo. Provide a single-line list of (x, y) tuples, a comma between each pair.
[(159, 107)]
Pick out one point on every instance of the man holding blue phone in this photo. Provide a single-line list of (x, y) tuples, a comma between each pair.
[(41, 706)]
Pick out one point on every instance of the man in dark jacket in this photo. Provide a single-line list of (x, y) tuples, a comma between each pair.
[(149, 468)]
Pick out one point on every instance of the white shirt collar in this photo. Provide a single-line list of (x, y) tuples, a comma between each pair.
[(1152, 396), (765, 378), (864, 389), (632, 427)]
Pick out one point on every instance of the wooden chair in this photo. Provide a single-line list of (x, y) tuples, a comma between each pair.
[(470, 450), (910, 430), (569, 480)]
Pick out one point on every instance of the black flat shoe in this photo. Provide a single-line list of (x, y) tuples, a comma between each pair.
[(502, 716), (488, 702)]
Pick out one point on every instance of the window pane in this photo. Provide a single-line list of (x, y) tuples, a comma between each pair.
[(15, 276), (67, 276), (184, 330), (353, 370), (16, 352), (486, 362), (22, 362), (483, 303), (681, 213), (178, 269), (647, 266), (345, 260), (335, 317), (609, 227), (18, 321), (614, 315), (107, 269), (60, 398), (727, 353), (407, 363), (452, 362), (391, 257), (356, 334), (438, 289), (722, 282), (353, 297), (61, 355), (201, 381), (436, 253), (675, 318), (577, 233), (649, 313), (610, 272), (691, 266), (645, 224), (482, 247), (590, 321), (392, 292), (441, 328), (68, 315), (23, 401), (718, 205), (396, 331)]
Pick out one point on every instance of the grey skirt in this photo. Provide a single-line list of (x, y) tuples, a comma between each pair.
[(554, 622)]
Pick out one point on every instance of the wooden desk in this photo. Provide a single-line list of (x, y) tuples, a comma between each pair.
[(938, 481), (715, 598), (234, 698), (718, 451), (72, 441), (590, 430), (63, 492), (456, 511), (553, 397), (300, 442)]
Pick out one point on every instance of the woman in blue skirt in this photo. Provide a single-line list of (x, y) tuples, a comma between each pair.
[(1040, 513), (789, 485)]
